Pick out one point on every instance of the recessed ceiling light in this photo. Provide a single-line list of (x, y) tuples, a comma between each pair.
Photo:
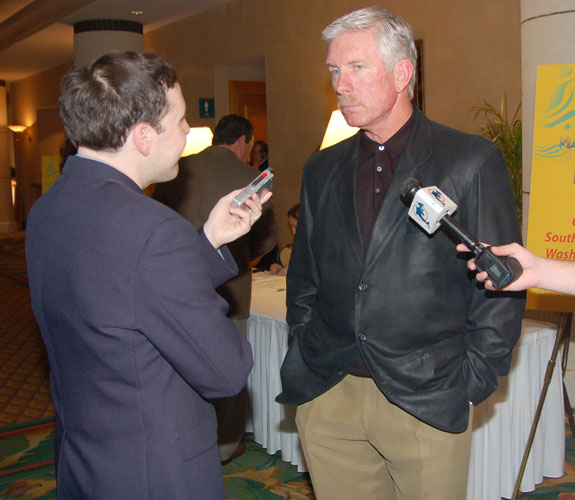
[(136, 12)]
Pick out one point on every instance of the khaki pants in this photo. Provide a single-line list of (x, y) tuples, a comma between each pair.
[(359, 446)]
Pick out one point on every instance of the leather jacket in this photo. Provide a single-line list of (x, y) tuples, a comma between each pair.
[(432, 339)]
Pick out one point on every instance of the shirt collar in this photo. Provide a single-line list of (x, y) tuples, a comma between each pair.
[(396, 143)]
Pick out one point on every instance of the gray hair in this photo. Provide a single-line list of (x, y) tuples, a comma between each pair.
[(393, 36)]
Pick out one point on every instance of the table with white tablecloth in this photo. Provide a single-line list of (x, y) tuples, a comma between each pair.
[(273, 424), (500, 425)]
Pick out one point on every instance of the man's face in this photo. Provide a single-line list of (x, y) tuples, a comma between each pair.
[(172, 138), (292, 223), (246, 150), (365, 89), (255, 155)]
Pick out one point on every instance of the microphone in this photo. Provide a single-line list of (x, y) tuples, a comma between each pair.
[(431, 209)]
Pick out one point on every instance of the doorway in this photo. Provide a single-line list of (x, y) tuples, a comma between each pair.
[(248, 99)]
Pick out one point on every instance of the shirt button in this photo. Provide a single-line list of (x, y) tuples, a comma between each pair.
[(362, 287), (340, 373), (378, 190), (362, 337), (379, 169), (381, 147)]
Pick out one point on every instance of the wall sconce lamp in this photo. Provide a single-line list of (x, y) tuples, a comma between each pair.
[(337, 130), (17, 129), (20, 129), (198, 139)]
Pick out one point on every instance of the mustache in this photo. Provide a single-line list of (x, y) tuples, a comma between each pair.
[(347, 101)]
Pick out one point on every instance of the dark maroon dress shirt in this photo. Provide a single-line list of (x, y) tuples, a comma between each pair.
[(375, 168)]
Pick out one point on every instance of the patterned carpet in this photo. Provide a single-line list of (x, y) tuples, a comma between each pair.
[(26, 460), (27, 468), (27, 423), (24, 391)]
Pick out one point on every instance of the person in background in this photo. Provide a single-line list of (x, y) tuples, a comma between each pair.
[(283, 257), (259, 156), (66, 149), (202, 180), (264, 262), (123, 289), (390, 343), (538, 272)]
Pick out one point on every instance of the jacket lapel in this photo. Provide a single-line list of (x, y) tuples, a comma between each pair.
[(393, 212), (342, 193)]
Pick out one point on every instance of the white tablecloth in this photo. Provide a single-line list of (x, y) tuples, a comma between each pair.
[(273, 424), (501, 424)]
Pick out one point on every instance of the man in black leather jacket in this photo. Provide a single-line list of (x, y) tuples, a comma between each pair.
[(391, 342)]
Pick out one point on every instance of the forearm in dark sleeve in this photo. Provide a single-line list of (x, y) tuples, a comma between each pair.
[(494, 320)]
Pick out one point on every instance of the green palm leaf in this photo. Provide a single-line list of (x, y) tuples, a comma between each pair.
[(506, 133)]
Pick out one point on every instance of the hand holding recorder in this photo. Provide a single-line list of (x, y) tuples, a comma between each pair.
[(235, 214), (260, 186), (538, 272)]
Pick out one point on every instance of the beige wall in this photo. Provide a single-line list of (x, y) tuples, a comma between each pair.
[(471, 51)]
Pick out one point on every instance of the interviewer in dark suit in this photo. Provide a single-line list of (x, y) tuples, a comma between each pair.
[(123, 289), (390, 340)]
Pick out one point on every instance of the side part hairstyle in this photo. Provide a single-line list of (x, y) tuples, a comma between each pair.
[(100, 103), (230, 128), (393, 35)]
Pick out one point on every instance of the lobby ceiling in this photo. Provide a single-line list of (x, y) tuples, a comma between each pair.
[(36, 35)]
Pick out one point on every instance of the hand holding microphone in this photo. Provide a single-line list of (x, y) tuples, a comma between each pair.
[(431, 209)]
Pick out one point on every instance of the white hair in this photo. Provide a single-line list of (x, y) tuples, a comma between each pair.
[(392, 34)]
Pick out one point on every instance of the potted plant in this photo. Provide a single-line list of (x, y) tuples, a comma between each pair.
[(506, 133)]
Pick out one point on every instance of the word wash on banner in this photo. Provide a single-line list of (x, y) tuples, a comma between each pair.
[(557, 252)]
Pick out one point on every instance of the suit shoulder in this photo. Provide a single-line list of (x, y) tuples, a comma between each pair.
[(336, 150), (457, 138), (221, 162), (147, 210), (327, 159)]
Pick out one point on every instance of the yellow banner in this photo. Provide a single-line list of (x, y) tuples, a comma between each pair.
[(50, 171), (551, 231)]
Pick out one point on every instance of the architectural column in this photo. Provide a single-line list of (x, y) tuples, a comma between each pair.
[(547, 37), (96, 37), (7, 221)]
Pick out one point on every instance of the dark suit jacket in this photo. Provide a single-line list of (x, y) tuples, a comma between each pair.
[(123, 289), (430, 337), (202, 180)]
